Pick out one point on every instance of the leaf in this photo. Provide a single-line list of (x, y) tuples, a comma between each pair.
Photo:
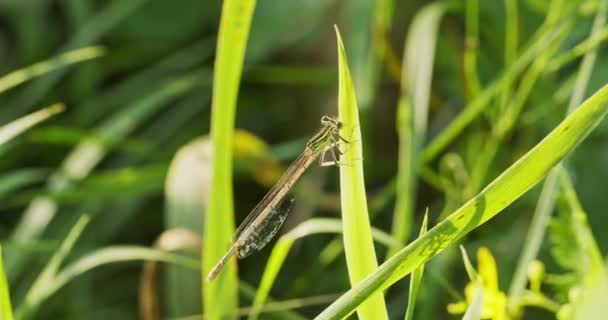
[(38, 291), (187, 193), (505, 189), (83, 158), (220, 297), (20, 76), (412, 112), (284, 244), (415, 279), (10, 130), (358, 243), (6, 311)]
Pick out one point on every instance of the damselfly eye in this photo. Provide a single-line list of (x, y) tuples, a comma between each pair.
[(339, 125)]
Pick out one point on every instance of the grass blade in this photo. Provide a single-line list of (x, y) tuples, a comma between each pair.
[(284, 244), (505, 189), (413, 112), (415, 280), (20, 76), (358, 243), (220, 297), (55, 281), (546, 201), (10, 130), (475, 107), (6, 311), (37, 293), (97, 26), (186, 191), (81, 161)]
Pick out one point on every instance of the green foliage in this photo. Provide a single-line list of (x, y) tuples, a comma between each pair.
[(358, 245), (130, 85), (6, 311), (220, 296)]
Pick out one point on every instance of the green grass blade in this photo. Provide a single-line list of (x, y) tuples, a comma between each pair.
[(12, 129), (415, 280), (186, 191), (284, 244), (36, 294), (19, 178), (412, 112), (471, 47), (82, 159), (593, 273), (97, 26), (475, 309), (220, 297), (505, 189), (475, 107), (6, 310), (358, 243), (20, 76), (55, 281), (546, 201)]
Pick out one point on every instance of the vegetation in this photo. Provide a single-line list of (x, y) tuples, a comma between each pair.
[(135, 135)]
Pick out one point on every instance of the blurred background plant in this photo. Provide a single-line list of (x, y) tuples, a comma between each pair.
[(131, 150)]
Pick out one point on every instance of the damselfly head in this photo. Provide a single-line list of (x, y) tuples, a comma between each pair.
[(331, 122)]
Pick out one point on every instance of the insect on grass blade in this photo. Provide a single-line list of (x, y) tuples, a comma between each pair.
[(267, 217)]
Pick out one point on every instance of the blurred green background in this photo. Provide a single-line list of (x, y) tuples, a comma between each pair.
[(129, 111)]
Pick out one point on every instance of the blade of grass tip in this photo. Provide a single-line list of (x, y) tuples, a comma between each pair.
[(107, 18), (509, 186), (12, 129), (475, 309), (412, 112), (20, 76), (358, 243), (82, 159), (546, 201), (416, 278), (220, 297), (37, 292), (6, 310), (284, 244)]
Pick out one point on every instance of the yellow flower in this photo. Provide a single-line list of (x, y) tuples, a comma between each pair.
[(494, 300)]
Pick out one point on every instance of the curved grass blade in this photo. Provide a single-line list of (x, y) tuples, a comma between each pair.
[(20, 76), (84, 157), (112, 255), (6, 311), (358, 243), (510, 185), (284, 244), (10, 130), (97, 26), (220, 298), (35, 295)]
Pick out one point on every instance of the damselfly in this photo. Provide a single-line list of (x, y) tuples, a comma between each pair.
[(267, 217)]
